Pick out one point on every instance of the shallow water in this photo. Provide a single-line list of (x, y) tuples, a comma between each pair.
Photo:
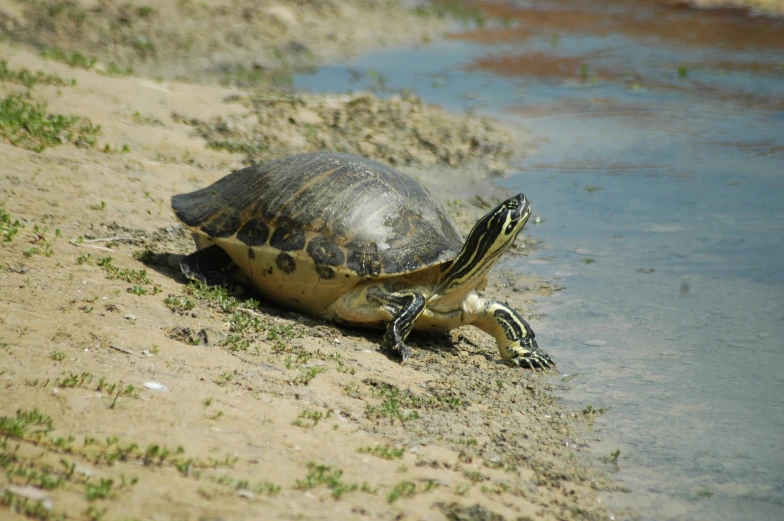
[(659, 179)]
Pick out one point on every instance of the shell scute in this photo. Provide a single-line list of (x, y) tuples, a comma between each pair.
[(324, 251), (254, 232), (224, 224), (287, 236)]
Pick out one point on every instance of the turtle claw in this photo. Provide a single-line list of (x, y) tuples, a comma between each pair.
[(400, 351), (540, 360), (405, 352), (530, 357), (394, 346)]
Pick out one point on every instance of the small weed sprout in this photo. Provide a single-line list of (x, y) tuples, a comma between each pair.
[(351, 390), (612, 459), (224, 378), (308, 419), (129, 391), (591, 411), (311, 373), (325, 475), (404, 489), (384, 452)]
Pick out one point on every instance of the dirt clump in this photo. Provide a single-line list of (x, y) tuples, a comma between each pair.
[(399, 130)]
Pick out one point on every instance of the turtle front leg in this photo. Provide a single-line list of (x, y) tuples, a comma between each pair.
[(515, 338), (405, 307)]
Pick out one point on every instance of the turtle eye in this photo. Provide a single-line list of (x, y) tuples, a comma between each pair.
[(509, 228)]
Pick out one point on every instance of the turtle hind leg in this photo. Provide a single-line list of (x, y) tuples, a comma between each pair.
[(211, 266)]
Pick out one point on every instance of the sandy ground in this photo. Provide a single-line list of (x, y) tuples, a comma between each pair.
[(129, 394)]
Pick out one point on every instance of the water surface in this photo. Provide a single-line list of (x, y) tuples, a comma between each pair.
[(659, 178)]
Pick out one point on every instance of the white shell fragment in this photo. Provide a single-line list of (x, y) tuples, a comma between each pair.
[(29, 492), (155, 386)]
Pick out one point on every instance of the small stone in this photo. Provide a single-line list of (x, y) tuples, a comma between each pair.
[(595, 343), (155, 386), (36, 494)]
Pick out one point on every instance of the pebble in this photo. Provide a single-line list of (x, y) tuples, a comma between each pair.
[(595, 343), (155, 386), (29, 492)]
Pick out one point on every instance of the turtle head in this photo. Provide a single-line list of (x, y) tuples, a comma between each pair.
[(511, 215), (497, 230), (491, 236)]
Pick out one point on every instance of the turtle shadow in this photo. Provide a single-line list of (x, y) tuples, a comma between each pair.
[(164, 263), (418, 342), (227, 275)]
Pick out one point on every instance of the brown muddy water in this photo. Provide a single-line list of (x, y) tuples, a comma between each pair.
[(659, 183)]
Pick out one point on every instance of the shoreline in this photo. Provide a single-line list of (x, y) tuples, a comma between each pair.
[(274, 412)]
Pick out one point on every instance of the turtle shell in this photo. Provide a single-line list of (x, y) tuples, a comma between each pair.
[(339, 213)]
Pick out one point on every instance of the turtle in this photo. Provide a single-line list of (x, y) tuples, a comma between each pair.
[(347, 239)]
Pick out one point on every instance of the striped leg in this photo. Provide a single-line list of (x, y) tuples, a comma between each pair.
[(515, 338), (405, 307)]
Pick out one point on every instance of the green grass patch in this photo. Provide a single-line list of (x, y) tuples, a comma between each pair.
[(395, 404), (74, 380), (590, 410), (262, 487), (30, 79), (224, 378), (308, 374), (214, 295), (384, 452), (352, 390), (612, 459), (138, 278), (408, 489), (308, 419), (29, 126), (145, 119), (236, 343), (323, 475), (74, 59), (9, 227)]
